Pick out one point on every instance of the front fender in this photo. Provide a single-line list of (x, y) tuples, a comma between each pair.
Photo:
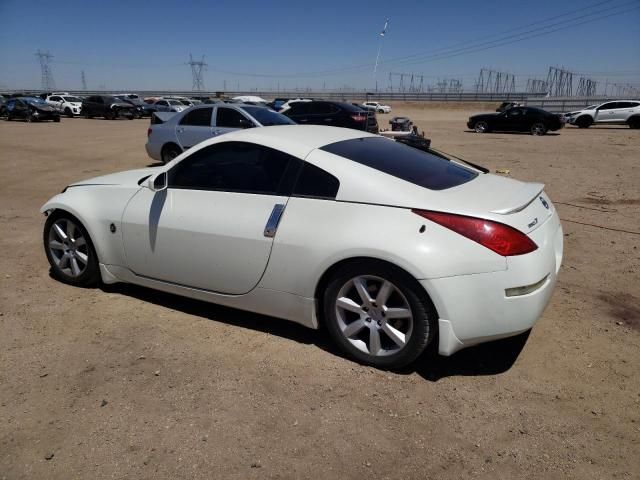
[(97, 207)]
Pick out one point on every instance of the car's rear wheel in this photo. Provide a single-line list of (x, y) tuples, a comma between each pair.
[(69, 250), (378, 314), (56, 119), (481, 127), (584, 122), (169, 152), (538, 128), (634, 122)]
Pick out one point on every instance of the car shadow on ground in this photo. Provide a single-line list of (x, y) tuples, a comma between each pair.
[(487, 359), (489, 134)]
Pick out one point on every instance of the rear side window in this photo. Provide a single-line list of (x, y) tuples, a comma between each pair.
[(425, 169), (200, 117), (315, 182)]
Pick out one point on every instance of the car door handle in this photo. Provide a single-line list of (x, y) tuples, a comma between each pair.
[(274, 219), (327, 119)]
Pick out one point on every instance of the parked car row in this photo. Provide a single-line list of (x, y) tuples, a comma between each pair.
[(513, 117)]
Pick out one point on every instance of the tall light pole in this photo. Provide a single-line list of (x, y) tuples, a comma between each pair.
[(375, 68)]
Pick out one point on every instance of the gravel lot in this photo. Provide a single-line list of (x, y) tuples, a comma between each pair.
[(123, 382)]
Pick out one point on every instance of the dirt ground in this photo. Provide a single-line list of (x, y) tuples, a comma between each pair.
[(123, 382)]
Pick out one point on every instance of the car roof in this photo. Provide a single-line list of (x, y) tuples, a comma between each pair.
[(297, 140)]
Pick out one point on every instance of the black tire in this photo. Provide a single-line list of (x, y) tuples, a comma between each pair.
[(585, 121), (481, 127), (91, 274), (56, 119), (68, 112), (538, 128), (109, 115), (422, 310), (29, 118), (634, 122), (169, 152)]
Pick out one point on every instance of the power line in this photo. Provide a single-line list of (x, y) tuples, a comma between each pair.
[(449, 52)]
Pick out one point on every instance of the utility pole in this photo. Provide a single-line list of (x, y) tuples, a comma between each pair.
[(375, 68), (197, 67), (45, 67)]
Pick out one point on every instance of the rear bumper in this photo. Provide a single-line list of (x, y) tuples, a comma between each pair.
[(153, 150), (475, 308)]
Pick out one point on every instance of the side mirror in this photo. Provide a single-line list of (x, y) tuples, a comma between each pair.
[(157, 183)]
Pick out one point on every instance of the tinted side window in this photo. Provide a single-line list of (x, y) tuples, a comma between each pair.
[(200, 117), (321, 108), (298, 108), (625, 105), (228, 117), (55, 99), (232, 167), (315, 182), (425, 169), (608, 106)]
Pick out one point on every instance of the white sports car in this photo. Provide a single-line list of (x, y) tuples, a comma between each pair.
[(393, 249)]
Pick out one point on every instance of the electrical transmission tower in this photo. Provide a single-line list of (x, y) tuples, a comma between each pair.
[(197, 68), (586, 87), (84, 80), (492, 81), (45, 67), (535, 85), (560, 82)]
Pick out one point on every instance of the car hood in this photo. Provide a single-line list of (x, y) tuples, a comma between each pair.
[(128, 178), (122, 105), (486, 115), (43, 108)]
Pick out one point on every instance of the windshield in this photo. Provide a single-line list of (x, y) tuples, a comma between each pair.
[(186, 102), (266, 117), (72, 99), (113, 100), (174, 102), (34, 100)]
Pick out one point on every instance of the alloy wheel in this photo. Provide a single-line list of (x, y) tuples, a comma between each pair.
[(68, 247), (481, 127), (538, 129), (374, 315)]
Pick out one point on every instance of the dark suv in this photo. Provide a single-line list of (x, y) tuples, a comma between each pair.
[(336, 114), (107, 106)]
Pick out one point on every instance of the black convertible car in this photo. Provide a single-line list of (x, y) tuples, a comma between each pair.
[(30, 109), (517, 119)]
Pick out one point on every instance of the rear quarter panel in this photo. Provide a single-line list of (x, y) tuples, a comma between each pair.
[(315, 234)]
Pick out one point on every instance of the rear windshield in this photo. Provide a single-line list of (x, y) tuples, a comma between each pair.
[(267, 117), (425, 169)]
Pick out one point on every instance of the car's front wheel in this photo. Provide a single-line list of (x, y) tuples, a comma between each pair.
[(584, 121), (634, 122), (538, 128), (70, 251), (481, 127), (378, 314), (68, 112)]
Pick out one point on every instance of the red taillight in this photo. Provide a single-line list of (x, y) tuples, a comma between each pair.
[(359, 118), (502, 239), (149, 132)]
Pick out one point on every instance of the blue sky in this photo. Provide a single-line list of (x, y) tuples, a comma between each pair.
[(145, 44)]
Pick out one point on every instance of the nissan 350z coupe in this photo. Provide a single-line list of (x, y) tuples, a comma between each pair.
[(393, 249)]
